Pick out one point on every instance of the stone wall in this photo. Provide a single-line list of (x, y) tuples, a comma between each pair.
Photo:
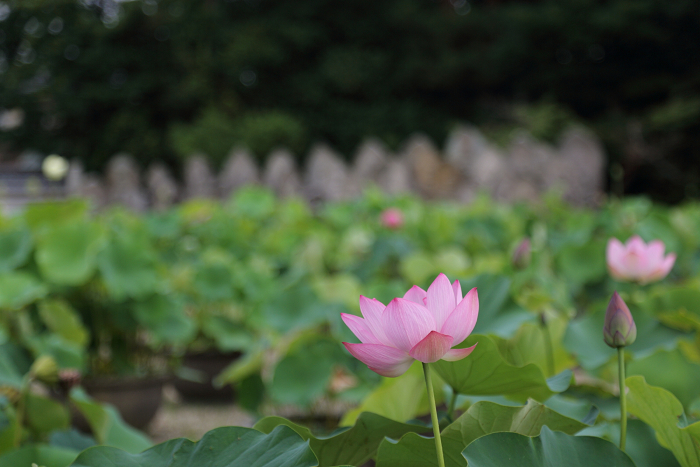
[(468, 165)]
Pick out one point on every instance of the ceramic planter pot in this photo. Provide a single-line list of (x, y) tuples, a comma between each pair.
[(136, 399)]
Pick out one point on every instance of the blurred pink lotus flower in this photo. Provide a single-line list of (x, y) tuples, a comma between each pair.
[(420, 326), (638, 261), (392, 218), (619, 329), (522, 254)]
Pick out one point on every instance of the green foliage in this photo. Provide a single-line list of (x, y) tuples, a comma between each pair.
[(45, 456), (303, 375), (269, 279), (15, 246), (353, 446), (487, 372), (550, 448), (400, 399), (18, 289), (661, 410), (479, 420), (67, 256), (221, 446)]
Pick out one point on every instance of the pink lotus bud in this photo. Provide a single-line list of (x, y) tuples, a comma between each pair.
[(619, 329), (420, 326), (522, 254), (392, 218), (638, 261)]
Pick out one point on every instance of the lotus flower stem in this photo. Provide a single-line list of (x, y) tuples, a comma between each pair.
[(623, 400), (433, 415)]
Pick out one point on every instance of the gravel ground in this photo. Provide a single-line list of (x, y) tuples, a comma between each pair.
[(178, 419)]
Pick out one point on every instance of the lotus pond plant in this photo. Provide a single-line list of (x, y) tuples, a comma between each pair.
[(281, 282), (420, 326)]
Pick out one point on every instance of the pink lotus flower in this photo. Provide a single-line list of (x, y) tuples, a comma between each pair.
[(420, 326), (638, 261), (392, 218)]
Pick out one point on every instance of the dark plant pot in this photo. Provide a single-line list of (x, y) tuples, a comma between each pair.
[(209, 364), (136, 399)]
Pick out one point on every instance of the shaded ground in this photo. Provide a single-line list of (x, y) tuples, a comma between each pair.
[(177, 418)]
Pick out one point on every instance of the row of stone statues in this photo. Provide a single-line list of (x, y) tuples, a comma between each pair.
[(469, 164)]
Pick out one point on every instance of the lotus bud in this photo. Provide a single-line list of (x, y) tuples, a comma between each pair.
[(619, 329), (392, 218), (522, 254), (45, 369)]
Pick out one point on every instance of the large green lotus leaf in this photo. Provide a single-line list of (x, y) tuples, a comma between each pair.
[(39, 454), (107, 425), (127, 268), (549, 449), (303, 375), (163, 225), (642, 445), (480, 419), (573, 407), (214, 282), (293, 308), (498, 313), (342, 288), (402, 398), (581, 264), (584, 338), (227, 334), (43, 216), (18, 289), (62, 319), (486, 372), (164, 317), (225, 446), (15, 246), (670, 370), (659, 409), (71, 438), (529, 345), (677, 306), (45, 415), (66, 255), (386, 251), (252, 201), (66, 353), (352, 446)]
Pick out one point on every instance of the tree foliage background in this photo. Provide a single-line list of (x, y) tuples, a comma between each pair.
[(164, 78)]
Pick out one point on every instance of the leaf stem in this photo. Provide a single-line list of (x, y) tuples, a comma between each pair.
[(20, 411), (623, 400), (453, 403), (548, 345), (433, 415)]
